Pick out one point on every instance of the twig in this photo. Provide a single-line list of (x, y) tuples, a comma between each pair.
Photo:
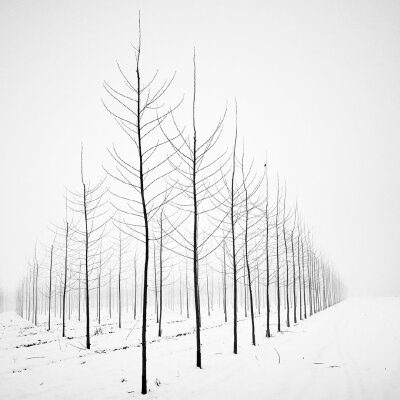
[(77, 347), (279, 357), (133, 327)]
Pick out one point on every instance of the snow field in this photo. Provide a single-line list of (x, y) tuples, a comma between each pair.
[(349, 351)]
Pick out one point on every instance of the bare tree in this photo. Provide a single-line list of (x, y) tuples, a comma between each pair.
[(91, 205), (197, 187), (299, 269), (36, 284), (267, 255), (278, 294), (67, 233), (286, 259), (138, 179), (294, 268), (224, 281), (50, 283), (234, 262), (247, 209)]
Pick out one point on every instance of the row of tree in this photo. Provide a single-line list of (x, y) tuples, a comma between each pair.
[(176, 223)]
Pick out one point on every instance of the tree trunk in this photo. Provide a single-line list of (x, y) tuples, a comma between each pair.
[(36, 292), (298, 263), (268, 332), (277, 263), (65, 278), (119, 283), (51, 270), (304, 282), (225, 313), (86, 267), (109, 294), (161, 278), (187, 294), (155, 282), (246, 240), (294, 282), (234, 247), (79, 292), (208, 293), (134, 303), (244, 288), (99, 291), (195, 229), (146, 228)]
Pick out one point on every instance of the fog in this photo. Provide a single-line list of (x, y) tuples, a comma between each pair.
[(317, 85)]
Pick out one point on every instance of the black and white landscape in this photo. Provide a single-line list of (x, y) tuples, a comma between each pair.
[(200, 200)]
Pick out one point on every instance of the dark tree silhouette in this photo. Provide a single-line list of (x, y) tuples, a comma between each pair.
[(138, 179)]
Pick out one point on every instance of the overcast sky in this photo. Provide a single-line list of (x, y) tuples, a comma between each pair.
[(318, 88)]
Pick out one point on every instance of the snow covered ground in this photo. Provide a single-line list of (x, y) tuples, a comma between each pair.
[(350, 351)]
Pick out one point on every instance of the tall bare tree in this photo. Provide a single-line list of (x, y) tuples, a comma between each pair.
[(278, 293), (91, 204), (50, 283), (196, 172), (234, 255), (139, 116)]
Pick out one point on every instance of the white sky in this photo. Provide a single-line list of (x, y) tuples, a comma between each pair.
[(317, 83)]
